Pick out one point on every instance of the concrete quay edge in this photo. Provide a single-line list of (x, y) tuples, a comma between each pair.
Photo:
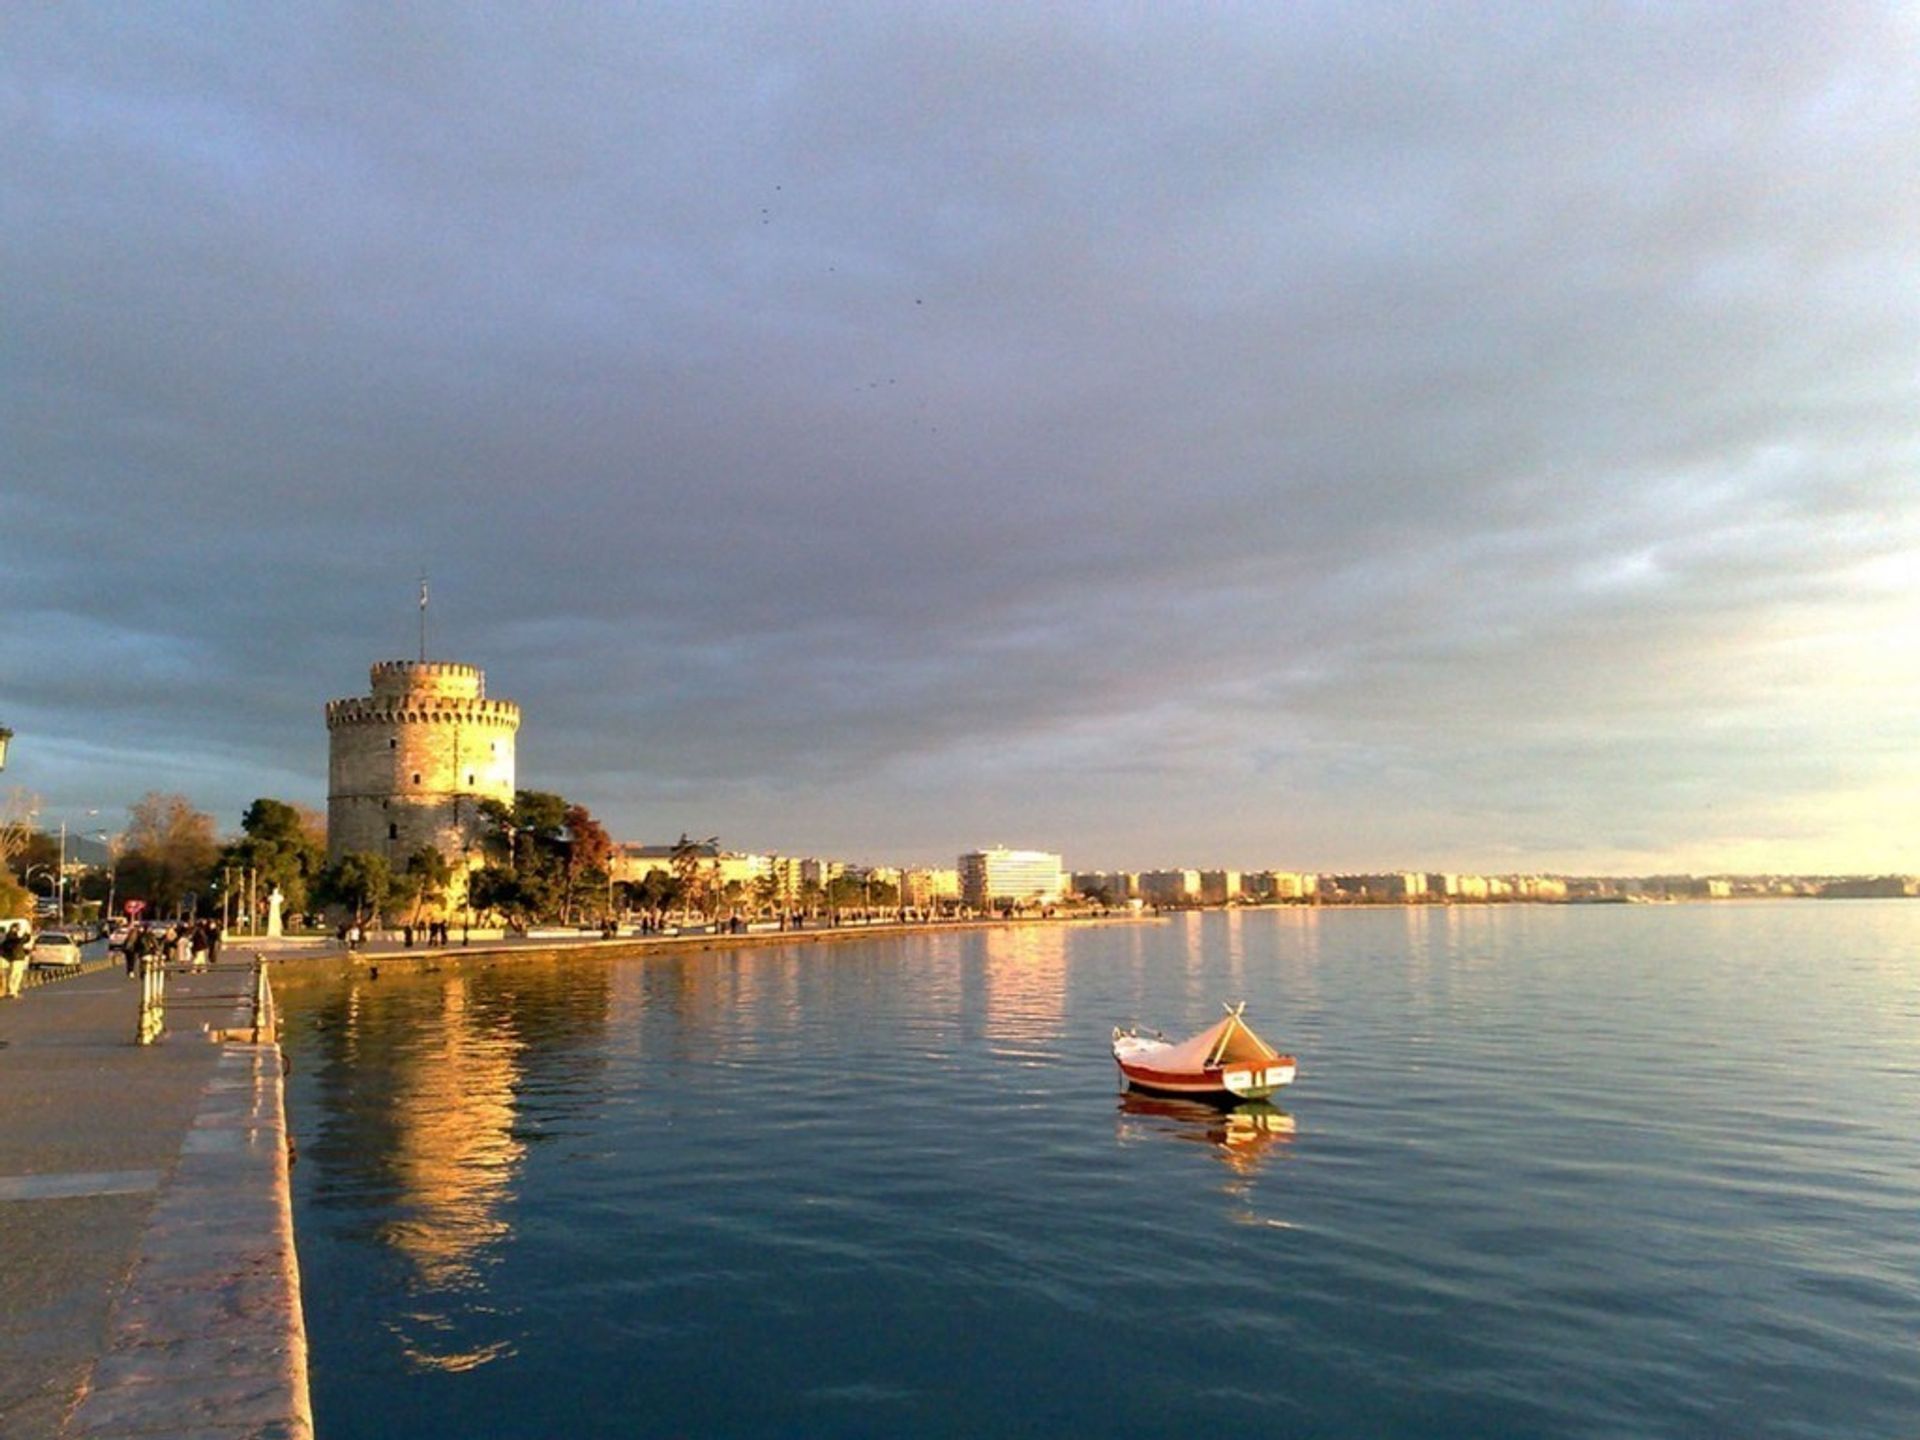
[(208, 1339)]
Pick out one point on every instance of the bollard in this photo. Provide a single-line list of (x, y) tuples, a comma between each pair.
[(153, 1000), (262, 1000)]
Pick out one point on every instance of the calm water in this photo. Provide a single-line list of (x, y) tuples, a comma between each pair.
[(1547, 1171)]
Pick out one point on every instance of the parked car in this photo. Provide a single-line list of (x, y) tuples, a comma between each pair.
[(55, 950)]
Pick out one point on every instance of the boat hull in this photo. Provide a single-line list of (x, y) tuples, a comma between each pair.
[(1229, 1082)]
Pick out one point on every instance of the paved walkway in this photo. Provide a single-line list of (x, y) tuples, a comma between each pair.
[(101, 1145)]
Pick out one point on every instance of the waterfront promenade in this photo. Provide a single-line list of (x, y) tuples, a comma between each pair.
[(147, 1276)]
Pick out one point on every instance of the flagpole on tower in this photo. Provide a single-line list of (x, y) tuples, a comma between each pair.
[(423, 617)]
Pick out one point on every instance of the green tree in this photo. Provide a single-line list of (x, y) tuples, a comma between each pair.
[(496, 890), (426, 878), (529, 839), (278, 842), (359, 881), (657, 891)]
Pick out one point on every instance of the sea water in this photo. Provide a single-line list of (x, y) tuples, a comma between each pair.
[(1582, 1171)]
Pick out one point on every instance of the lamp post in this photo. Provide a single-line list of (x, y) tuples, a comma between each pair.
[(112, 845)]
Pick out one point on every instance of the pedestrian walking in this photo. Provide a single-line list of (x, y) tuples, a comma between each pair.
[(13, 962)]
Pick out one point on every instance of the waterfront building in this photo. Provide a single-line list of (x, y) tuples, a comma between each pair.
[(1279, 885), (1118, 886), (409, 764), (821, 873), (925, 887), (631, 864), (788, 874), (1217, 887), (1170, 887), (990, 878)]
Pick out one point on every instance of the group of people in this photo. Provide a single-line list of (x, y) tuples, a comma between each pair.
[(195, 944), (353, 934), (431, 932)]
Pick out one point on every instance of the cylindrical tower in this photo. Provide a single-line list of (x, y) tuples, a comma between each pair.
[(408, 764)]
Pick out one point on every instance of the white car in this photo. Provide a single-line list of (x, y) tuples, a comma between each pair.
[(55, 950)]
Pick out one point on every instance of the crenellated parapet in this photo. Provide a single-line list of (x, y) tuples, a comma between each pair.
[(422, 710), (393, 679)]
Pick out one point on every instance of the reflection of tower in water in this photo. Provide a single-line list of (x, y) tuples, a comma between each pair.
[(453, 1161)]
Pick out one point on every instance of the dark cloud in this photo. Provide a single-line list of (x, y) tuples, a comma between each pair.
[(1275, 435)]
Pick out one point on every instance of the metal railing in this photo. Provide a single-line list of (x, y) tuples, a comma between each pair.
[(262, 1024)]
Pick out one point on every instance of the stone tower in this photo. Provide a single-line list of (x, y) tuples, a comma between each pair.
[(408, 765)]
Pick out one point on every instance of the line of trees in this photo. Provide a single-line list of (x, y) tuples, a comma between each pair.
[(545, 858)]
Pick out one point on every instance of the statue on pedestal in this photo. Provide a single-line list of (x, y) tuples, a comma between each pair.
[(273, 911)]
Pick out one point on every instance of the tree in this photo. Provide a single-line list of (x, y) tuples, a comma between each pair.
[(359, 881), (588, 849), (657, 891), (767, 890), (16, 826), (528, 838), (690, 868), (170, 850), (14, 899), (427, 877), (277, 841), (496, 890)]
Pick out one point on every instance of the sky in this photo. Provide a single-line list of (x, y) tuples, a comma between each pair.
[(1308, 436)]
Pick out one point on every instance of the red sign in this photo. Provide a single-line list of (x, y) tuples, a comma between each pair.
[(135, 908)]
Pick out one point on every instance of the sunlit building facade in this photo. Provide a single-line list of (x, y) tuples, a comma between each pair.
[(991, 878)]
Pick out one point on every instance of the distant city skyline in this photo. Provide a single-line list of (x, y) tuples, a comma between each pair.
[(1332, 438)]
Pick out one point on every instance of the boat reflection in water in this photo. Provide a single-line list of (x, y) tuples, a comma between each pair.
[(1242, 1134)]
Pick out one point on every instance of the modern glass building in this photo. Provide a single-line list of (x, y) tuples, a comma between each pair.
[(990, 878)]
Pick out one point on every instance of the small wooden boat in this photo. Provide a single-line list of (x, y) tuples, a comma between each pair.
[(1226, 1061)]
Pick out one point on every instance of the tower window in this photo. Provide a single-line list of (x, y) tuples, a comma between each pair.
[(393, 832), (469, 778), (393, 744), (416, 777)]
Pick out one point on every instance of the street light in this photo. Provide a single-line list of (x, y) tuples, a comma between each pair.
[(112, 846)]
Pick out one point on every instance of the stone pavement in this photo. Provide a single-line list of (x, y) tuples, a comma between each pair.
[(147, 1283)]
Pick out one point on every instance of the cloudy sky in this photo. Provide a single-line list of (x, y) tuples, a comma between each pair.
[(1295, 435)]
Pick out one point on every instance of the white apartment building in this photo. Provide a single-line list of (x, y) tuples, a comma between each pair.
[(989, 878)]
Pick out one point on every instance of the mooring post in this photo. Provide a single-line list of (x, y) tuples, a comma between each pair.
[(262, 999), (153, 1000)]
